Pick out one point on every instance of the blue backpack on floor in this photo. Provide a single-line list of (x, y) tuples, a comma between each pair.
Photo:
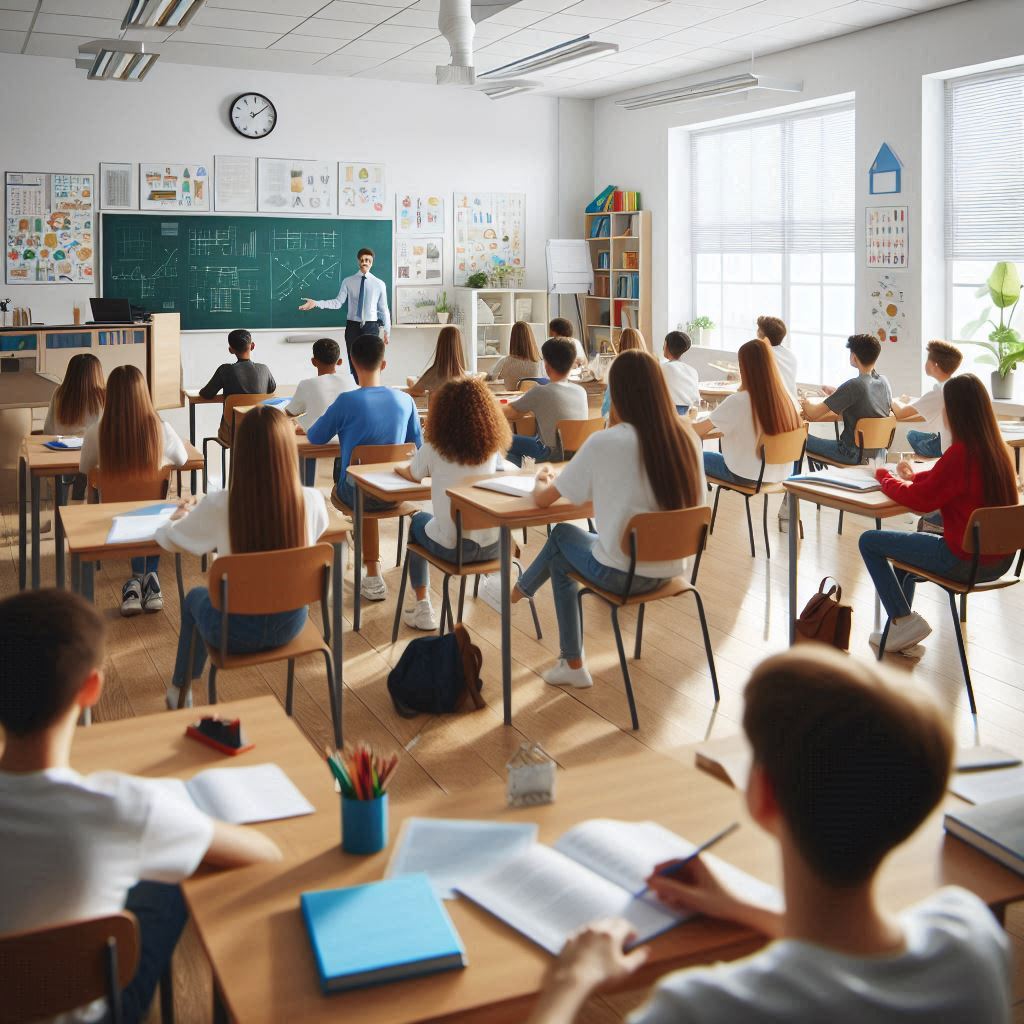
[(436, 674)]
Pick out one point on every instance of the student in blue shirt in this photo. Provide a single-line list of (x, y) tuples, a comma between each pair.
[(372, 414)]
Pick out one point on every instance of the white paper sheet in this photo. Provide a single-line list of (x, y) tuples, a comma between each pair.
[(854, 478), (518, 486), (389, 480), (984, 787), (135, 527), (241, 796)]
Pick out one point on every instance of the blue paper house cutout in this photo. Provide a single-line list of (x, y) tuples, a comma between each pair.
[(884, 176)]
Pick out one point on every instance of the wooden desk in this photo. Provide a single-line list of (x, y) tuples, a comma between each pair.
[(508, 512), (1013, 435), (306, 448), (192, 396)]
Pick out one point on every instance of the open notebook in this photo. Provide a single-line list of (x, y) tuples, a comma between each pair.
[(518, 486), (139, 525), (852, 478)]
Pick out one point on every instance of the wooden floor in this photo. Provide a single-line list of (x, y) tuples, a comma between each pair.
[(746, 603)]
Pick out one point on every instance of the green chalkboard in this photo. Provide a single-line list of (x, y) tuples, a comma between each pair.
[(223, 272)]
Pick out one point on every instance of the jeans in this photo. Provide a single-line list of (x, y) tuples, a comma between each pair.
[(523, 444), (246, 633), (714, 465), (837, 450), (682, 409), (145, 564), (419, 568), (924, 444), (309, 472), (570, 549), (927, 551)]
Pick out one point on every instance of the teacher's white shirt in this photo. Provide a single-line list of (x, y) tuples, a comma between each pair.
[(375, 300)]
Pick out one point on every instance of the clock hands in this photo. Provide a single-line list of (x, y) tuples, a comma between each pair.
[(260, 111)]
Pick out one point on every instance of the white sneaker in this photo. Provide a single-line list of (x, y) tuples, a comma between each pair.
[(490, 591), (131, 598), (373, 588), (915, 651), (908, 632), (171, 698), (562, 675), (152, 597), (421, 616)]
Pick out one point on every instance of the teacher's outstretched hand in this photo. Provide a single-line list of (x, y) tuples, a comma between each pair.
[(307, 304)]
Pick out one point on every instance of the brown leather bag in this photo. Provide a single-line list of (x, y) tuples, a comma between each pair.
[(825, 619)]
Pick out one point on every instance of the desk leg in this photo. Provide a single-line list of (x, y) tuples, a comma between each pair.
[(76, 574), (878, 613), (506, 622), (192, 437), (87, 579), (35, 532), (60, 498), (357, 567), (22, 522), (794, 542), (337, 647)]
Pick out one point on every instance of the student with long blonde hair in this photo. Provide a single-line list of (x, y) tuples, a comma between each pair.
[(646, 461), (448, 362), (130, 440), (266, 508), (523, 359), (76, 405), (630, 340)]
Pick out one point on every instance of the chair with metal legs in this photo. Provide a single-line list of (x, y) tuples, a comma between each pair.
[(230, 417)]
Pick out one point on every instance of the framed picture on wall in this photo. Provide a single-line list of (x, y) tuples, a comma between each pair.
[(415, 304), (116, 187), (297, 186)]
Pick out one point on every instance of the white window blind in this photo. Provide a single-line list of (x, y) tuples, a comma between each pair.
[(985, 167), (781, 186)]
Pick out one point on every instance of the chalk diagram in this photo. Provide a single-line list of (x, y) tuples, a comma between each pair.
[(135, 246)]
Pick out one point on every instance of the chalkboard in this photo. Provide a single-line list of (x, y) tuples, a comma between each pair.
[(222, 272)]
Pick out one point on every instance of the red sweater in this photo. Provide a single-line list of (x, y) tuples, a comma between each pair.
[(953, 485)]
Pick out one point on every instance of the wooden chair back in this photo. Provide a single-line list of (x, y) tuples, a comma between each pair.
[(231, 403), (48, 971), (572, 433), (526, 384), (118, 487), (265, 582), (371, 454), (875, 432), (1000, 530), (667, 536), (780, 449)]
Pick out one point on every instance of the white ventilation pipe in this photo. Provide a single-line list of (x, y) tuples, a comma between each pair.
[(455, 23)]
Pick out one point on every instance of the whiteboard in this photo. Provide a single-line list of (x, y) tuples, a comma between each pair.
[(569, 267)]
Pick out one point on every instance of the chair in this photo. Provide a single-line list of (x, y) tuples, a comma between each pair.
[(656, 537), (572, 433), (774, 450), (990, 531), (110, 487), (525, 383), (231, 402), (263, 583)]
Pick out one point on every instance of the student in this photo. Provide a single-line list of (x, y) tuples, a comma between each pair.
[(131, 440), (865, 396), (561, 328), (829, 736), (523, 359), (79, 846), (372, 414), (448, 362), (630, 340), (76, 405), (943, 361), (773, 330), (976, 471), (242, 377), (646, 461), (550, 403), (465, 436), (681, 378), (266, 508)]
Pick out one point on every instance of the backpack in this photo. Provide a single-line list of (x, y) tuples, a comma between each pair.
[(826, 620), (436, 674)]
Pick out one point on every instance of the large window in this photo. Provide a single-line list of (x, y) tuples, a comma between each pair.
[(772, 231)]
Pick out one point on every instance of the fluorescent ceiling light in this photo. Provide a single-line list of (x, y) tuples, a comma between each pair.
[(707, 90), (170, 15), (121, 60), (499, 90), (573, 51)]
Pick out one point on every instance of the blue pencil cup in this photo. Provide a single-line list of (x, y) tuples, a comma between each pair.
[(364, 825)]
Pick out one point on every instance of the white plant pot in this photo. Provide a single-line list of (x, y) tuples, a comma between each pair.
[(704, 335), (443, 318)]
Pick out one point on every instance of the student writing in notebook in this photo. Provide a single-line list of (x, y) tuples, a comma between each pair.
[(131, 440), (242, 377), (680, 377), (630, 340), (846, 766), (448, 363), (772, 331), (942, 362), (523, 359), (81, 846), (76, 405)]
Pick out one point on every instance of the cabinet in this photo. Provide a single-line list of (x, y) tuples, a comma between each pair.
[(486, 341)]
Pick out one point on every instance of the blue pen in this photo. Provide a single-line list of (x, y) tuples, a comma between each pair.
[(674, 866)]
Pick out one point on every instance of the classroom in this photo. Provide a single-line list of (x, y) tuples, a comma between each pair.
[(511, 511)]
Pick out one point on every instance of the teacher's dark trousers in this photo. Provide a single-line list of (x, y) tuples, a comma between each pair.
[(353, 330)]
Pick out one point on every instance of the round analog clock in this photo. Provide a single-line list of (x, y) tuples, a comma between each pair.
[(253, 115)]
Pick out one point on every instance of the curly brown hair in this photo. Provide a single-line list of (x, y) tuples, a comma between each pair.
[(465, 423)]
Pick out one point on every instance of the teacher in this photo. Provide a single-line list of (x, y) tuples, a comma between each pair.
[(367, 299)]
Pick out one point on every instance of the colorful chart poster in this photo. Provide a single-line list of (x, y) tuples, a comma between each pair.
[(888, 308), (362, 190), (419, 259), (887, 236), (417, 213), (182, 187), (297, 186), (416, 305), (490, 231), (50, 228)]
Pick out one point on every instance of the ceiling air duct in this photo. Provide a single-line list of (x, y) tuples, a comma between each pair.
[(455, 23)]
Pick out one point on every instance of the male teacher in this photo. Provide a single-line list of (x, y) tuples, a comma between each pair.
[(367, 299)]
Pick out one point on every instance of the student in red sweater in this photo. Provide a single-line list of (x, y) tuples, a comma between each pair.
[(976, 471)]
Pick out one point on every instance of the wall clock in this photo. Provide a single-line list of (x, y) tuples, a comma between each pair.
[(253, 115)]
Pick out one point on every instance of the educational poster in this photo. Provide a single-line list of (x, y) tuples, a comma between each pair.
[(419, 259), (414, 305), (361, 190), (50, 228), (887, 236), (234, 184), (116, 187), (888, 308), (182, 187), (417, 213), (490, 231), (297, 186)]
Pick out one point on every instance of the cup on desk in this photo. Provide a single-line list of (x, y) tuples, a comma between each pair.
[(364, 825)]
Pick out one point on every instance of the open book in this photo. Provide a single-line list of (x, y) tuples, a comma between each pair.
[(851, 478), (139, 525), (592, 872), (518, 486)]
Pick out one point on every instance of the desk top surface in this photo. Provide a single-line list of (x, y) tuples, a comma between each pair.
[(43, 461), (512, 509)]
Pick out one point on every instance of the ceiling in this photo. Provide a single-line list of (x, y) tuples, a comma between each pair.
[(398, 39)]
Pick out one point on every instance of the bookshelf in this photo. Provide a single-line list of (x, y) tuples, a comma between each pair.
[(486, 343), (620, 253)]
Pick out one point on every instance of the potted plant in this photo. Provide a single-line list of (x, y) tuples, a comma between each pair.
[(700, 328), (477, 280), (501, 275), (1004, 346), (442, 309)]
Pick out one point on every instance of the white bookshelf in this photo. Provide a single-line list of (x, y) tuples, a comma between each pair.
[(487, 343)]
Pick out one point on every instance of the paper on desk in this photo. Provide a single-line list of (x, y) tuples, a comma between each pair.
[(64, 444), (140, 525), (518, 486), (984, 787), (276, 402), (389, 480), (851, 478)]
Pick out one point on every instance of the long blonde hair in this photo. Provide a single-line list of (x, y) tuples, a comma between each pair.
[(81, 394), (448, 359), (266, 509), (772, 408), (631, 340), (522, 344), (131, 434)]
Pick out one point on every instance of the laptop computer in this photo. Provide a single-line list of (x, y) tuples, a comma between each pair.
[(111, 311)]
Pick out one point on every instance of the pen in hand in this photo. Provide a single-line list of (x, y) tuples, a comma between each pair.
[(671, 869)]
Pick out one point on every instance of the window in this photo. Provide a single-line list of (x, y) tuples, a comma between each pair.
[(772, 231)]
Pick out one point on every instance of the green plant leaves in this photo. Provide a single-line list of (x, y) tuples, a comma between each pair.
[(1004, 285)]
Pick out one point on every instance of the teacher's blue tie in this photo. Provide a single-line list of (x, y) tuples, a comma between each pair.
[(362, 290)]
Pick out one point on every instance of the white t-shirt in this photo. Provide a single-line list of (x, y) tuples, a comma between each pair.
[(174, 453), (315, 395), (931, 406), (609, 471), (682, 381), (786, 362), (53, 426), (955, 970), (206, 527), (444, 474), (735, 418)]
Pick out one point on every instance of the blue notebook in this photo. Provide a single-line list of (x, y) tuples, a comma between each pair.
[(384, 931)]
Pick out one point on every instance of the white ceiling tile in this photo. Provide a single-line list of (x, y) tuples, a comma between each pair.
[(659, 49), (347, 62), (114, 9), (636, 56), (548, 6), (804, 29), (414, 17), (433, 49), (639, 30), (489, 32), (616, 9), (538, 40), (297, 8), (20, 5), (255, 21), (502, 51), (11, 42), (408, 34), (864, 12), (15, 21), (308, 44), (520, 17), (75, 25), (343, 10), (368, 48), (384, 72), (701, 36), (225, 36), (680, 15), (573, 25), (793, 8), (333, 29), (43, 44), (744, 21), (710, 55)]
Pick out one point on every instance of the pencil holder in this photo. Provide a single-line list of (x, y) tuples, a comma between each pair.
[(364, 825)]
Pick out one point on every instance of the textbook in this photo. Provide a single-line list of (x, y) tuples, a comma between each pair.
[(140, 525), (996, 829), (853, 478), (985, 787), (594, 871), (517, 486), (383, 931)]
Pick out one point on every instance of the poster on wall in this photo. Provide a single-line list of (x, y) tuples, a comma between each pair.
[(234, 184), (416, 305), (888, 308), (490, 231), (887, 236), (361, 190), (116, 187), (419, 259), (417, 213), (297, 186), (50, 228), (182, 187)]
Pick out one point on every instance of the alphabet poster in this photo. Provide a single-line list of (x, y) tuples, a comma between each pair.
[(182, 187), (490, 231), (419, 259), (362, 190), (297, 186), (417, 213), (887, 236)]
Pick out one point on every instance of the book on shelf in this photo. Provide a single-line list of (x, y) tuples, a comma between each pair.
[(625, 202), (598, 203), (601, 227), (631, 261), (604, 260), (602, 287)]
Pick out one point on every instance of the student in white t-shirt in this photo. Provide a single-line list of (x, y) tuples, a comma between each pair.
[(681, 378), (773, 330), (761, 405), (930, 442), (77, 846), (646, 461), (846, 766), (465, 435)]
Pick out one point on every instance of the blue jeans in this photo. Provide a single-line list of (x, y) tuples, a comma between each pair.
[(925, 550), (419, 568), (144, 564), (309, 472), (714, 465), (924, 444), (682, 409), (524, 444), (570, 549), (838, 451), (246, 633)]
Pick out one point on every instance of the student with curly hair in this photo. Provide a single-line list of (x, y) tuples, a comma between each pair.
[(465, 435)]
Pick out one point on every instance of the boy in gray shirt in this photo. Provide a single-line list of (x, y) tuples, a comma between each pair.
[(242, 377)]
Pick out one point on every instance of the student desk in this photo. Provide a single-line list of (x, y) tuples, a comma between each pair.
[(509, 512), (306, 448), (36, 462)]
